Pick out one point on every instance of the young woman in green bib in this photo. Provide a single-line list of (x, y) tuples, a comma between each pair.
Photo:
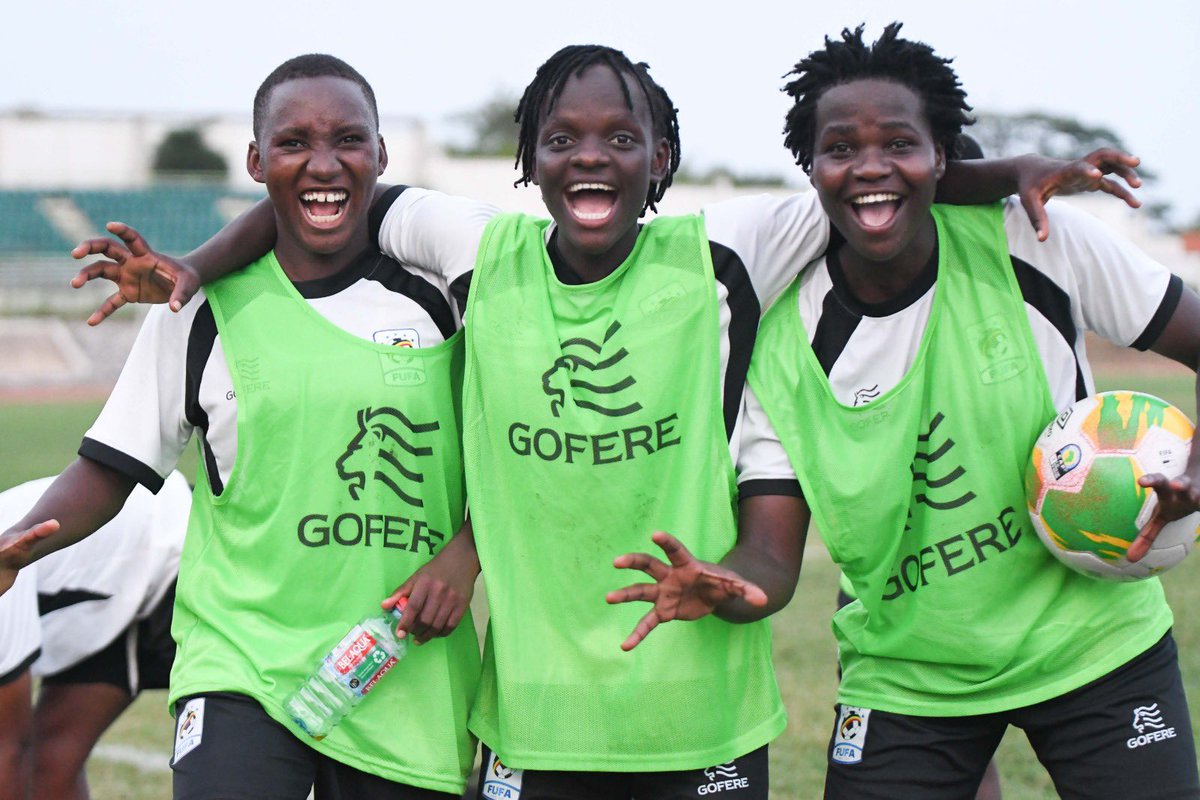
[(332, 470), (602, 397), (923, 355)]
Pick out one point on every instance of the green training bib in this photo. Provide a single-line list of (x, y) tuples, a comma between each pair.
[(592, 418), (919, 497), (348, 478)]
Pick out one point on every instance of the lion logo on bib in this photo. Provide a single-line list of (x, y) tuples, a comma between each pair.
[(383, 450)]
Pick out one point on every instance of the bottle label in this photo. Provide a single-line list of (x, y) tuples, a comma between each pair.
[(359, 660)]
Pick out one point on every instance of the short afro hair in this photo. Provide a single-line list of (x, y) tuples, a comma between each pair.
[(902, 61), (312, 65)]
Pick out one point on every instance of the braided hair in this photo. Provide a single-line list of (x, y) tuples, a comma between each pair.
[(903, 61), (547, 86)]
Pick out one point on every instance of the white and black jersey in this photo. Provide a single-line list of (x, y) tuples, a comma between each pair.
[(76, 601), (1083, 278), (177, 375), (758, 244)]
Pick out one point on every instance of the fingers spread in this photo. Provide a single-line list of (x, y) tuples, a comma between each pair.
[(101, 246), (647, 624), (107, 308), (674, 549), (137, 245), (647, 592), (645, 562), (97, 269)]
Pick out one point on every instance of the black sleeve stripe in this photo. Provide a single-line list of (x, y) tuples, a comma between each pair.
[(201, 339), (120, 462), (65, 599), (1166, 310), (744, 310), (379, 210), (788, 487), (1054, 304), (19, 669), (460, 288), (395, 278), (834, 329)]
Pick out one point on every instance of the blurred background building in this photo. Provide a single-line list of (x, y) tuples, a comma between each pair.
[(179, 179)]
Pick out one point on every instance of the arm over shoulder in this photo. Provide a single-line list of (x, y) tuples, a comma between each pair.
[(774, 237), (431, 231)]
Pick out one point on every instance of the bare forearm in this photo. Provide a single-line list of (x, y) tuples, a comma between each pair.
[(83, 498), (460, 551), (770, 549), (978, 181), (246, 239)]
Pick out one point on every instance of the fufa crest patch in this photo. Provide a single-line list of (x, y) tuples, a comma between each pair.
[(851, 734), (189, 728), (500, 782)]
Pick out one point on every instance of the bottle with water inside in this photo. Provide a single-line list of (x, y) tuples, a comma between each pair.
[(347, 673)]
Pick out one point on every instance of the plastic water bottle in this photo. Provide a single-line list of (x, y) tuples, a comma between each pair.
[(347, 673)]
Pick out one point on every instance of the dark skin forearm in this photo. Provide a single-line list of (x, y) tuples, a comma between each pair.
[(438, 594), (978, 181), (770, 549), (83, 498), (243, 241)]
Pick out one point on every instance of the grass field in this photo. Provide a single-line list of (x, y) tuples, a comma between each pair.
[(131, 761)]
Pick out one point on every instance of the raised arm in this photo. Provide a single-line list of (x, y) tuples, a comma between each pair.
[(1035, 179), (143, 275)]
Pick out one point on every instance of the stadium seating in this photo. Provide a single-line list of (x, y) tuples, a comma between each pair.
[(25, 228), (175, 218)]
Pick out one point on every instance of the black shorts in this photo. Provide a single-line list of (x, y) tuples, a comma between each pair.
[(1127, 734), (140, 658), (744, 778), (228, 747)]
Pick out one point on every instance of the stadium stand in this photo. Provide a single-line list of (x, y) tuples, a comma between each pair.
[(25, 228), (175, 218), (43, 341)]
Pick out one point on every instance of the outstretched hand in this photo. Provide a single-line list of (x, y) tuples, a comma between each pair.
[(16, 550), (685, 589), (1040, 178), (141, 274), (1177, 497)]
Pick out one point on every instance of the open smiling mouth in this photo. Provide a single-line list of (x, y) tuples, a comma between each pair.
[(876, 210), (324, 208), (591, 202)]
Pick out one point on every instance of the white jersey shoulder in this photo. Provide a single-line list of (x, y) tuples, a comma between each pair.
[(437, 234), (773, 236), (1100, 282)]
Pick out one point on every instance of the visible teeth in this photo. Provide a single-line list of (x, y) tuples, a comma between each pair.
[(878, 197), (583, 216), (324, 197), (594, 187), (323, 217)]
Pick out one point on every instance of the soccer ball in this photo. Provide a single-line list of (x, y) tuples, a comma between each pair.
[(1081, 484)]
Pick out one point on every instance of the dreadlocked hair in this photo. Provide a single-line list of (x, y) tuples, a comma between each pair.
[(547, 85), (908, 63)]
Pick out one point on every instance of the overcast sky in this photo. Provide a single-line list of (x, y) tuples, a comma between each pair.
[(1133, 67)]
